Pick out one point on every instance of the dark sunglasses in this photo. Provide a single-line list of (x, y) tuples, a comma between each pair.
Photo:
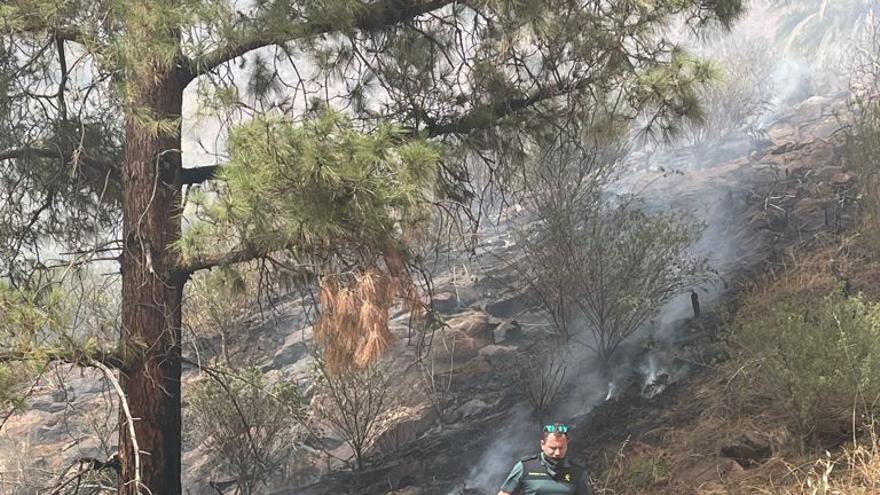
[(561, 429)]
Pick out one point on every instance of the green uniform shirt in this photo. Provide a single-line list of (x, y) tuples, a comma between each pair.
[(532, 476)]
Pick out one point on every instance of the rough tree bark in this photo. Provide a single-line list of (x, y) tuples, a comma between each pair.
[(152, 293)]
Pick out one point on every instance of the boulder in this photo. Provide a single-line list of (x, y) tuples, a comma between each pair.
[(450, 349), (476, 367), (48, 405), (509, 305), (476, 325), (749, 449), (507, 330), (444, 302), (403, 424), (496, 354), (472, 407), (289, 354)]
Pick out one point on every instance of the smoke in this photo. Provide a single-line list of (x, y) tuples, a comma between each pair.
[(511, 443), (676, 179), (790, 83)]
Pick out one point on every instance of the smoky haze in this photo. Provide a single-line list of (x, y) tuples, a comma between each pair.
[(763, 75)]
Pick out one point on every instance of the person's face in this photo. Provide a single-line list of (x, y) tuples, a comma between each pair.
[(554, 446)]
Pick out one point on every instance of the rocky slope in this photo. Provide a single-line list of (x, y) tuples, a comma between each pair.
[(785, 193)]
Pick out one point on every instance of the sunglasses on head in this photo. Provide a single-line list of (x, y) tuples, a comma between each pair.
[(561, 429)]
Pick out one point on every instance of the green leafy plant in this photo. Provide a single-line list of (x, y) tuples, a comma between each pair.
[(816, 362)]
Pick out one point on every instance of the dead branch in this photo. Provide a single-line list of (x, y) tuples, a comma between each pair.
[(123, 402), (77, 357), (85, 466)]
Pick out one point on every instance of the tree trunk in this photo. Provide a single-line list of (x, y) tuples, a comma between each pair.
[(151, 295)]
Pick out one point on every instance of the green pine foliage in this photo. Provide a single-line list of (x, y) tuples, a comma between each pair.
[(489, 78), (319, 185)]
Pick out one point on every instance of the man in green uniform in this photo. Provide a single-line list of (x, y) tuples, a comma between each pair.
[(548, 472)]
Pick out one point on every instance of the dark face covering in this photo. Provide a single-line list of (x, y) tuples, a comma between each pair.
[(551, 463)]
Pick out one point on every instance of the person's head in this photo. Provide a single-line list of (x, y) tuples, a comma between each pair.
[(554, 441)]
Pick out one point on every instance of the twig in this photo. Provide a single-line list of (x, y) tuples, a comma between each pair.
[(86, 465), (128, 418)]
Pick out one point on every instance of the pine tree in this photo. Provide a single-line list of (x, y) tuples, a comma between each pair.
[(392, 100)]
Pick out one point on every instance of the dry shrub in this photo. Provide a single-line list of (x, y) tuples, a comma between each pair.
[(541, 379), (863, 139), (353, 326), (854, 470), (247, 426), (636, 469), (802, 277), (351, 403)]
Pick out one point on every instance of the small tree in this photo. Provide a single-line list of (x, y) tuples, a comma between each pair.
[(541, 380), (603, 265), (246, 425), (437, 384), (351, 401), (220, 304), (734, 104), (631, 263)]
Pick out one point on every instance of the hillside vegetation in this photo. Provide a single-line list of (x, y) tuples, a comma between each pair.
[(792, 404)]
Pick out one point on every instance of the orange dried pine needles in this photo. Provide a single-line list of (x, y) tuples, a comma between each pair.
[(353, 328)]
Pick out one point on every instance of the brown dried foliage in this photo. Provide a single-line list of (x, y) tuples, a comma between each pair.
[(353, 328)]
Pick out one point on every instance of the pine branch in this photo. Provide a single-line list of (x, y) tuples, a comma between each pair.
[(101, 168), (486, 116), (37, 25), (236, 256), (479, 118), (79, 358), (372, 17), (197, 175)]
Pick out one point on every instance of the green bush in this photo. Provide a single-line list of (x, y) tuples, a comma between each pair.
[(816, 361), (644, 472)]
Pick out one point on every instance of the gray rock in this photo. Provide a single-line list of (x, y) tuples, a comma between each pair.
[(476, 325), (495, 354), (472, 407), (749, 449), (445, 302), (289, 355), (48, 405), (508, 306), (508, 330), (404, 425)]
